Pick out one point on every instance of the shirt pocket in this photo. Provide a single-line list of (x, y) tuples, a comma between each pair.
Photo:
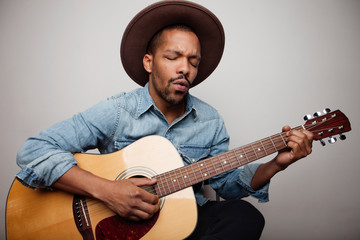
[(191, 154), (120, 144)]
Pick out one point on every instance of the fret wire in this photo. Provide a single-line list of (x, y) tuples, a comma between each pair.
[(241, 155), (157, 186), (206, 174), (237, 159), (198, 170), (254, 150), (192, 168), (234, 159), (171, 179), (188, 175), (201, 174), (162, 183), (263, 147), (261, 152), (278, 143), (220, 162), (167, 182), (217, 164), (178, 178), (228, 159), (214, 169), (162, 186), (282, 139), (245, 154), (212, 162), (182, 177), (273, 144)]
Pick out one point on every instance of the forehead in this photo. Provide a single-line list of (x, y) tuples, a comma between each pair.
[(180, 40)]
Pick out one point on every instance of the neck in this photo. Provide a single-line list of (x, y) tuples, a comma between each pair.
[(170, 110)]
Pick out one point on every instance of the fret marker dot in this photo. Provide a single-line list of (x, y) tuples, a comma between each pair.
[(225, 162), (185, 176), (241, 155), (205, 174), (259, 149)]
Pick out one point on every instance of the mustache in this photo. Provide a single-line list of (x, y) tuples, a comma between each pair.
[(180, 77)]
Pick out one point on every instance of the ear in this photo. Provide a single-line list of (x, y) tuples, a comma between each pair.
[(147, 62)]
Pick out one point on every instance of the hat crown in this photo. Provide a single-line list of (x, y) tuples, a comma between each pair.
[(155, 17)]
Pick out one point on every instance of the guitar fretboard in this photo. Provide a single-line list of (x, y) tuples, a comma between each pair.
[(180, 178)]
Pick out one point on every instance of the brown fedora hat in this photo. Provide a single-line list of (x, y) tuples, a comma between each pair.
[(164, 13)]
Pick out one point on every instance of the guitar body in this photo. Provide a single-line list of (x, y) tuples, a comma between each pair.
[(42, 214)]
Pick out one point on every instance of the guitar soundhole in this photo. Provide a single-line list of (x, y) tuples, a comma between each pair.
[(116, 227)]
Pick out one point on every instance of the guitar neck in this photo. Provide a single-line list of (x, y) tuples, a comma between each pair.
[(180, 178)]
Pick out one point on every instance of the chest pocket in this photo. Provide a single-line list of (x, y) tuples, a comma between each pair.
[(118, 145), (191, 154)]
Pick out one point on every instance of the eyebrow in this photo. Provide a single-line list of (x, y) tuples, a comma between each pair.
[(179, 53)]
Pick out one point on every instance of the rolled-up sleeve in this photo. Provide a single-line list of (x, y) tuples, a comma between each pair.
[(46, 157), (236, 183)]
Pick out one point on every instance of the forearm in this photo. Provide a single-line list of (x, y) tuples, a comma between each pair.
[(79, 181), (264, 173)]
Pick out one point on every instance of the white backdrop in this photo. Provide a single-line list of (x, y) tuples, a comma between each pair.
[(282, 60)]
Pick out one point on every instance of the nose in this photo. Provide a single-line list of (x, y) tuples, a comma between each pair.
[(184, 67)]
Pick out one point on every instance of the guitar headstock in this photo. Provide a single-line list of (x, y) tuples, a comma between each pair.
[(328, 125)]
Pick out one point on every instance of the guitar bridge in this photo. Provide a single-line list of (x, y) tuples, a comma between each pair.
[(82, 218)]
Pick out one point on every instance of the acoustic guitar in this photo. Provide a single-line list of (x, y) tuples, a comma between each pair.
[(44, 214)]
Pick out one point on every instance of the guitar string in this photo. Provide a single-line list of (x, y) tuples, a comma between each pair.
[(268, 142), (219, 165)]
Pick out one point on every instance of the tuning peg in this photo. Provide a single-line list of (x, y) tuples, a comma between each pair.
[(307, 117), (322, 142), (332, 140), (326, 110), (317, 114), (342, 137)]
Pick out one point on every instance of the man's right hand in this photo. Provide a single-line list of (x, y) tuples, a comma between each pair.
[(127, 199), (124, 197)]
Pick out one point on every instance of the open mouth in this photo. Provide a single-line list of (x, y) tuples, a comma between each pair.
[(181, 85)]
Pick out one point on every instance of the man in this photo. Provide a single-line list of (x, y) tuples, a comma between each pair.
[(168, 48)]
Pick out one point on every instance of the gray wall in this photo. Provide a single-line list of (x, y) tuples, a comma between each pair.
[(283, 59)]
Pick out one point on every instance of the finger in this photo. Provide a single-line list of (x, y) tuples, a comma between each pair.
[(143, 181), (138, 215), (299, 146), (286, 128), (148, 209), (297, 143), (296, 152), (146, 195), (142, 209), (303, 138)]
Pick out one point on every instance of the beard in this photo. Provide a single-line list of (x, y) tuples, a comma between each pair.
[(165, 93)]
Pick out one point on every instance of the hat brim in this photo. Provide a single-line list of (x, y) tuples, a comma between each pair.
[(155, 17)]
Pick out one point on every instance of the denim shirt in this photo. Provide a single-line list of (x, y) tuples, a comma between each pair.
[(119, 121)]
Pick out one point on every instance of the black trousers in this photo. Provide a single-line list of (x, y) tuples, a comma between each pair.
[(232, 219)]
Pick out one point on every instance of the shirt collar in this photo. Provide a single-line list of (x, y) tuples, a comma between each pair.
[(145, 102)]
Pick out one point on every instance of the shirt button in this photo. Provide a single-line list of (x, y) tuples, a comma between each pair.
[(35, 181), (193, 160)]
